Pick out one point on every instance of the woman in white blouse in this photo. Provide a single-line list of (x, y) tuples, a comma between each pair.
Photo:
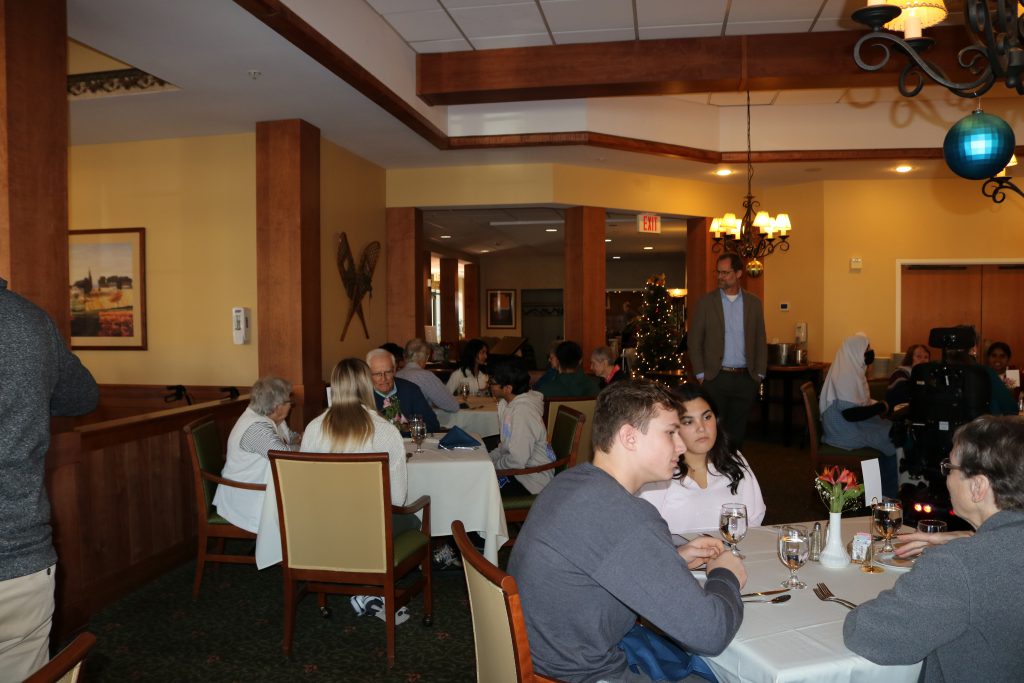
[(471, 368), (710, 471)]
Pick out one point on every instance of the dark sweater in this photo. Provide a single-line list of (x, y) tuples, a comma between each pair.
[(573, 383), (39, 377)]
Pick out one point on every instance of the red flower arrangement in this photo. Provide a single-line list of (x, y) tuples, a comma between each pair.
[(839, 489)]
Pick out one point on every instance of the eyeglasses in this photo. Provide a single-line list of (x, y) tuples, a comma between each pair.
[(946, 466), (382, 375), (723, 273)]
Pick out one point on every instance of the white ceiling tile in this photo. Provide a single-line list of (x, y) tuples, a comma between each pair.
[(693, 31), (739, 99), (394, 6), (499, 42), (835, 9), (678, 13), (763, 27), (696, 97), (419, 26), (474, 3), (453, 45), (816, 96), (500, 20), (610, 35), (755, 11), (840, 24), (585, 15)]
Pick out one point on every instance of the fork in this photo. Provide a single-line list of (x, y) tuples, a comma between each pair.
[(823, 593)]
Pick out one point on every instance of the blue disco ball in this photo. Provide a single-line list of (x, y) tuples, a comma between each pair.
[(978, 146)]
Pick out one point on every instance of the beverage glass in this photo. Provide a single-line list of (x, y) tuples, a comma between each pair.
[(418, 429), (732, 522), (887, 516), (793, 549), (464, 391), (931, 526)]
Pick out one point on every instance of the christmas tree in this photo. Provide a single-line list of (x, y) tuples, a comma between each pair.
[(657, 332)]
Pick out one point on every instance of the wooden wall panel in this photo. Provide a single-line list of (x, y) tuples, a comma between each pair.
[(1002, 288), (471, 299), (449, 301), (938, 296), (407, 294), (585, 277)]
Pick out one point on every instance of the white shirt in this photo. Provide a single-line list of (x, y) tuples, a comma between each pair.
[(477, 382), (686, 506)]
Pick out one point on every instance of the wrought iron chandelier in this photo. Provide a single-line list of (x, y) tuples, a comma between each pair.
[(755, 235)]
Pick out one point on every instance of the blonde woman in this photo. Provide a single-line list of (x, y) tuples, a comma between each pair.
[(352, 425)]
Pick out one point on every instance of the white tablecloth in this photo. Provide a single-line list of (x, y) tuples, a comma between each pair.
[(461, 485), (480, 418), (802, 640)]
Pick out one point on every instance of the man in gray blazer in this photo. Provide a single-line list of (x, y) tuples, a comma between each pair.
[(727, 347)]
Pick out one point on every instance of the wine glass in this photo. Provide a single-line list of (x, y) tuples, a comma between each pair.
[(793, 547), (464, 391), (732, 522), (887, 517), (418, 429), (931, 526)]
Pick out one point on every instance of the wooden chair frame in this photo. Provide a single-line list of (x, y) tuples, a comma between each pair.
[(206, 531), (472, 558), (323, 581), (823, 455), (65, 666)]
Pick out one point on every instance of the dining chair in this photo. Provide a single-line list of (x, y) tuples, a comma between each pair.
[(499, 629), (204, 447), (566, 433), (66, 666), (336, 536), (822, 454), (585, 405)]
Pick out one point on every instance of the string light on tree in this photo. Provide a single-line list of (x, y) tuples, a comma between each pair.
[(657, 332)]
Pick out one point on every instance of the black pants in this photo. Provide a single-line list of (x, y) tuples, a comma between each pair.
[(514, 488), (734, 395)]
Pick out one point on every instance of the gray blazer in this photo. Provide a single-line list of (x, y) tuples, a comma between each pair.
[(706, 340)]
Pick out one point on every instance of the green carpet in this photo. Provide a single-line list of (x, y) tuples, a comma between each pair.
[(233, 632)]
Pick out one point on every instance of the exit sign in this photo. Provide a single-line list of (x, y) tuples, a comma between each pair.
[(648, 223)]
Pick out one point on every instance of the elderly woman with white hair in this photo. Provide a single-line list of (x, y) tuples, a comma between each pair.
[(417, 353), (602, 364), (260, 428)]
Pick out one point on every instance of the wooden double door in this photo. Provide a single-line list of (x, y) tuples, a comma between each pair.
[(986, 296)]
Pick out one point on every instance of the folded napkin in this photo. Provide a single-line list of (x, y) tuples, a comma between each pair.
[(660, 658), (458, 438)]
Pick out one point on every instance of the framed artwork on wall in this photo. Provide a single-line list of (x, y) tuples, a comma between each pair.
[(501, 308), (107, 289)]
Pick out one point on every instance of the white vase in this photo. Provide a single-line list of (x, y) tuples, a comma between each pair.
[(834, 554)]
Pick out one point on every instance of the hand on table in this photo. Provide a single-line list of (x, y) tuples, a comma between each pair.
[(727, 560), (915, 542), (700, 550)]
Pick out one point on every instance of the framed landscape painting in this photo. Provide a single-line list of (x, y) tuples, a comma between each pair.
[(107, 288), (501, 308)]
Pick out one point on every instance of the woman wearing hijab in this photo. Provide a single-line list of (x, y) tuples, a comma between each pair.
[(850, 418)]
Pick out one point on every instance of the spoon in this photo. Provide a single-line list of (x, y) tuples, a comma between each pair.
[(774, 601)]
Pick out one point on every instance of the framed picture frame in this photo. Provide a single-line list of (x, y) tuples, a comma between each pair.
[(107, 289), (501, 308)]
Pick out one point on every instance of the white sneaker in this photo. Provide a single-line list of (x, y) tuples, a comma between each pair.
[(374, 604)]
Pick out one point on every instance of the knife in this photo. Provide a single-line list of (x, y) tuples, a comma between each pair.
[(774, 592)]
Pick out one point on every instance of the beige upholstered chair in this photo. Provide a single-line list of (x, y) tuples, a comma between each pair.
[(66, 666), (335, 514), (499, 630), (584, 405), (823, 455), (204, 446)]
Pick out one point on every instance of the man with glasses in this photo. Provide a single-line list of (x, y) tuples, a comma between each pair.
[(727, 347), (961, 607), (395, 397)]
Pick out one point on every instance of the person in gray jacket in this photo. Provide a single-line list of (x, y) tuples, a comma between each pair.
[(524, 438), (961, 608), (39, 377)]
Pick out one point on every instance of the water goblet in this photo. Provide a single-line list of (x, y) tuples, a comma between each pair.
[(418, 430), (464, 391), (931, 526), (887, 516), (732, 522), (793, 549)]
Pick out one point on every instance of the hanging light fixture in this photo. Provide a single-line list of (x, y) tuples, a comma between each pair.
[(756, 234)]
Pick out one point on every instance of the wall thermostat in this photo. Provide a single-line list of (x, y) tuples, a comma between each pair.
[(240, 325)]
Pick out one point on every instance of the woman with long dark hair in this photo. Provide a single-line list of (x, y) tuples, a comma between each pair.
[(710, 471), (471, 368)]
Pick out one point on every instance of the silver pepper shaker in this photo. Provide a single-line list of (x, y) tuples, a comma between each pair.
[(814, 549)]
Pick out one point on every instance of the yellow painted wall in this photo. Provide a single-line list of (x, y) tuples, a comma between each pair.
[(352, 194), (196, 198)]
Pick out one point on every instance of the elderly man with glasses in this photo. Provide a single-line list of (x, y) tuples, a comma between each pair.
[(397, 400), (961, 607)]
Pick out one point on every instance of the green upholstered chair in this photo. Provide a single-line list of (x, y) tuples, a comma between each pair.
[(67, 664), (823, 455), (565, 442), (336, 536), (204, 445), (499, 629), (583, 404)]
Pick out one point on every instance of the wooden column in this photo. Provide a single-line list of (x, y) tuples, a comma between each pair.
[(34, 154), (449, 301), (583, 296), (471, 300), (288, 259), (407, 287)]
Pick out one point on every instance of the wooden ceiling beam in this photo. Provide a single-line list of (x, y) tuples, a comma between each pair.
[(782, 61)]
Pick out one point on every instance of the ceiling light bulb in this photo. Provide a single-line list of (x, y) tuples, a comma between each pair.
[(723, 172), (616, 257), (551, 230), (648, 248), (607, 239), (446, 237), (904, 169)]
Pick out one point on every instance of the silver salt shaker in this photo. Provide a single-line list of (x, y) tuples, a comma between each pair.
[(814, 549)]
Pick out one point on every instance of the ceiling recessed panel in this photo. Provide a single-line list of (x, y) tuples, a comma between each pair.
[(416, 26), (394, 6), (691, 31), (762, 27), (499, 42), (679, 13), (748, 11), (584, 15), (608, 36), (500, 20)]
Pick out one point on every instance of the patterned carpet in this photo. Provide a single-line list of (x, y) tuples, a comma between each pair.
[(233, 632)]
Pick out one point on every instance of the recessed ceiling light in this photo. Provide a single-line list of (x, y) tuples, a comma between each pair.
[(446, 237), (648, 248), (485, 251), (607, 239), (551, 230), (616, 257), (904, 169), (723, 172)]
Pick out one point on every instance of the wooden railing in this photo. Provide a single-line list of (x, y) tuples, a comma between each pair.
[(123, 504)]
